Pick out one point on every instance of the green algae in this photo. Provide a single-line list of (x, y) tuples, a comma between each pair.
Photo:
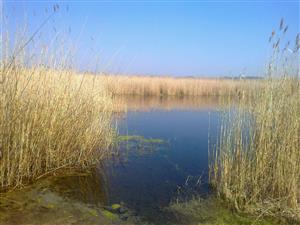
[(115, 206), (93, 212), (213, 212), (138, 144), (138, 138), (109, 215)]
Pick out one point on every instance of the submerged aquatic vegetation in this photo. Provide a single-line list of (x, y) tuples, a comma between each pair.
[(256, 164), (138, 144), (139, 138)]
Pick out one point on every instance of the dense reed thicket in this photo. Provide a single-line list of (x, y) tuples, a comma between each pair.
[(256, 164), (179, 87), (50, 116)]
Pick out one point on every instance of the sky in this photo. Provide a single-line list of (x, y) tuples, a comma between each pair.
[(179, 38)]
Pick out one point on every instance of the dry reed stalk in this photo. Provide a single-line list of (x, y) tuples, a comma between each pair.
[(256, 164), (50, 117)]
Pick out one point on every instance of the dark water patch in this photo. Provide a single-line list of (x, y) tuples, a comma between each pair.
[(88, 187)]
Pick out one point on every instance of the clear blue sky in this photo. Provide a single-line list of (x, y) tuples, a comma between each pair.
[(209, 38)]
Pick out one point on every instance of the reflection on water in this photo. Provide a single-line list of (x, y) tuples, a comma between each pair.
[(148, 182), (141, 103)]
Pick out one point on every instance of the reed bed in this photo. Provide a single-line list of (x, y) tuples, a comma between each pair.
[(178, 87), (50, 119), (256, 163)]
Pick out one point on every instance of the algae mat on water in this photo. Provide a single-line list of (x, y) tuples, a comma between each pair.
[(139, 144)]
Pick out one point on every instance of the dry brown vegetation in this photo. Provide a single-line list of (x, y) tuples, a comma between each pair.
[(256, 164), (257, 160), (50, 120), (50, 116), (179, 87)]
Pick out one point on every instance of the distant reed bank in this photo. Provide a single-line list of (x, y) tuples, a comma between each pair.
[(178, 87)]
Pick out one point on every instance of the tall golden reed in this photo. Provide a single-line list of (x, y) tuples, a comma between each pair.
[(256, 164), (177, 87), (49, 118)]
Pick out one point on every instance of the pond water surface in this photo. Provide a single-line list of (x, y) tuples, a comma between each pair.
[(147, 178)]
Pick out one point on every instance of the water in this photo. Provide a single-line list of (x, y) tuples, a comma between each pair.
[(178, 168)]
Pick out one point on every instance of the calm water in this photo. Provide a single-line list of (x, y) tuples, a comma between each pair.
[(148, 181)]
